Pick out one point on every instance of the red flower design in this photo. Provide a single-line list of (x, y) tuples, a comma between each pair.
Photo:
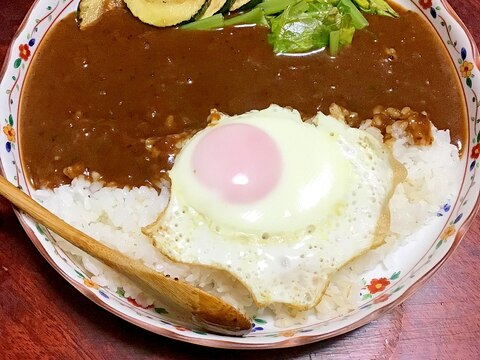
[(24, 51), (476, 151), (377, 285), (426, 4), (466, 69), (381, 298), (135, 303), (10, 132)]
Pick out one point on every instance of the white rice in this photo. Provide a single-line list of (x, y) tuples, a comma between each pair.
[(116, 216)]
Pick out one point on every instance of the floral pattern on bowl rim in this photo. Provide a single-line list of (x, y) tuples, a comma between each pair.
[(382, 289)]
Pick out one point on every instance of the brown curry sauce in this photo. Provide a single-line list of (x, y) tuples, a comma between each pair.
[(117, 97)]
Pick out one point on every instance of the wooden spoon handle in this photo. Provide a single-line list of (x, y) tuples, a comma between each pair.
[(207, 311)]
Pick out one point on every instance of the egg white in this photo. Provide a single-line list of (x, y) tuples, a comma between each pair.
[(279, 258)]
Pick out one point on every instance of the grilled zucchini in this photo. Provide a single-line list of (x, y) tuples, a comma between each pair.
[(211, 8), (165, 12), (89, 11), (245, 4)]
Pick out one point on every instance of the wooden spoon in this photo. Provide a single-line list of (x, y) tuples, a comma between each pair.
[(207, 311)]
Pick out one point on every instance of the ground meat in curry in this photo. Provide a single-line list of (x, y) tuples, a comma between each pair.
[(119, 97)]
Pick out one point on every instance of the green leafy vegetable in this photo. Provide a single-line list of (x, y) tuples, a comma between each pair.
[(379, 7), (307, 25), (334, 42), (299, 26), (340, 38), (358, 20)]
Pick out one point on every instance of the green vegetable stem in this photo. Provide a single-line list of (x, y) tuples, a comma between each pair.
[(379, 7), (255, 16), (212, 22), (301, 26)]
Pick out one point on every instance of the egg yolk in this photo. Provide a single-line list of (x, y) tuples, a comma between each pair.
[(240, 162)]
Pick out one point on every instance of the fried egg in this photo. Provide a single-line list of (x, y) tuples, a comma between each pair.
[(278, 203)]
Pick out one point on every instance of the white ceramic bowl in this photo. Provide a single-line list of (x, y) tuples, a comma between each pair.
[(443, 236)]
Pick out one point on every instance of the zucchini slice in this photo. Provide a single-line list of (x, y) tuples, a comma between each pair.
[(165, 12), (211, 8), (89, 11), (247, 4), (226, 8)]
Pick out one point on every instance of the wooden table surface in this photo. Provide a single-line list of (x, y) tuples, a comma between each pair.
[(43, 317)]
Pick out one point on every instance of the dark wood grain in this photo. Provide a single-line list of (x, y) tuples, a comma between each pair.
[(43, 317)]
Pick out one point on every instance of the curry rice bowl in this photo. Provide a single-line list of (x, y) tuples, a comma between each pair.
[(116, 217)]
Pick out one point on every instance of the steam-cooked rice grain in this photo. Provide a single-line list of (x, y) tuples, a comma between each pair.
[(116, 216)]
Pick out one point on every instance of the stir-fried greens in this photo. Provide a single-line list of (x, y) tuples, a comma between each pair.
[(310, 25), (299, 26)]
